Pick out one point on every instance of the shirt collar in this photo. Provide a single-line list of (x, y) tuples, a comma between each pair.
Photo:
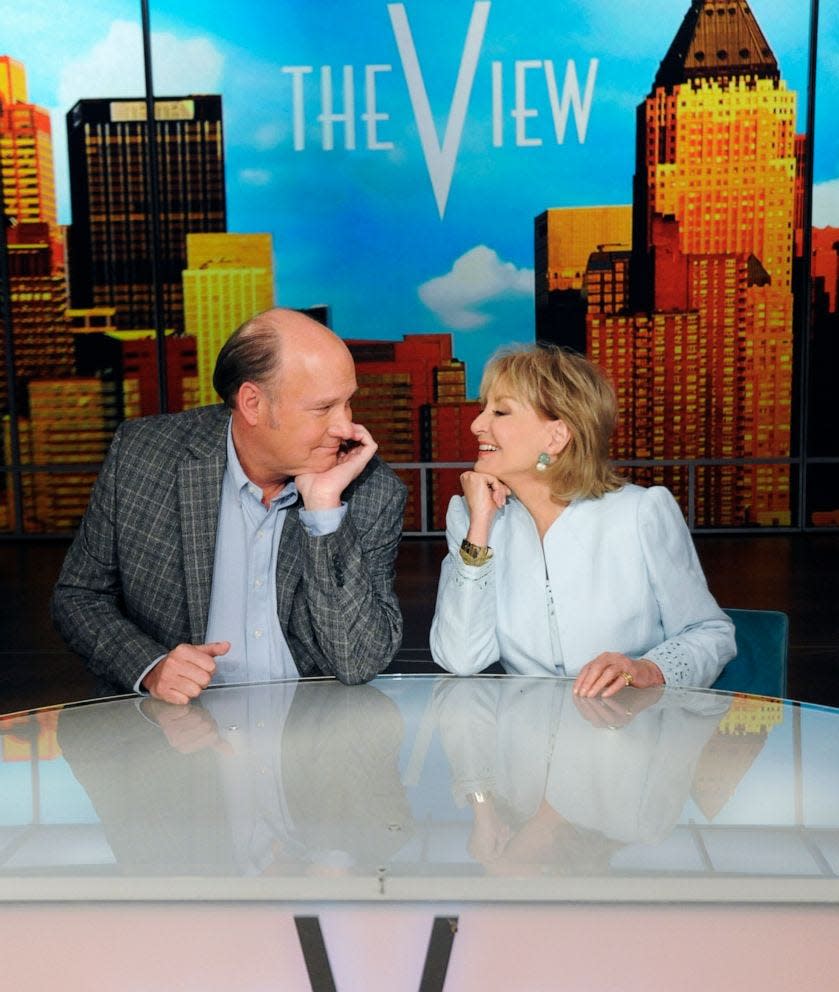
[(286, 496)]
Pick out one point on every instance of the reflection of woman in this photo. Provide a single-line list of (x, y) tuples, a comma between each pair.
[(552, 787), (555, 566)]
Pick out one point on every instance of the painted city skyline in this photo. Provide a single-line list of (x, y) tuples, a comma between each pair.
[(474, 274), (391, 144)]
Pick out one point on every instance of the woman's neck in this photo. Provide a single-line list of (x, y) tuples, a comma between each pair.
[(535, 496)]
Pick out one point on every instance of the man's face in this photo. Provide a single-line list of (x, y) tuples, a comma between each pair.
[(307, 413)]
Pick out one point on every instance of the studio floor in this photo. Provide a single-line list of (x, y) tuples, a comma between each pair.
[(796, 573)]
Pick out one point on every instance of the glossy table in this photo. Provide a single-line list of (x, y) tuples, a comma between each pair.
[(497, 832)]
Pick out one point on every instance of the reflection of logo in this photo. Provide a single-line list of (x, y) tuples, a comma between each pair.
[(440, 158)]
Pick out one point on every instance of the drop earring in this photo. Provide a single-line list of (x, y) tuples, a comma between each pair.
[(543, 461)]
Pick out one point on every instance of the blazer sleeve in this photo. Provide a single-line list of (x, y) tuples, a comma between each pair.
[(87, 603), (699, 637), (346, 619), (463, 634)]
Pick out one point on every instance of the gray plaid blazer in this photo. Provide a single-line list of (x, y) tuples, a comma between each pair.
[(136, 581)]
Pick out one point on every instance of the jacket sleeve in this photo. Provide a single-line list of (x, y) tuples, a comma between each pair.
[(346, 620), (463, 635), (87, 603), (699, 637)]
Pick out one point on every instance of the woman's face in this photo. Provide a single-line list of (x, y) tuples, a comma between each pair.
[(511, 436)]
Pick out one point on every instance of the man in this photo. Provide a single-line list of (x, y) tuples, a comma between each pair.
[(244, 543)]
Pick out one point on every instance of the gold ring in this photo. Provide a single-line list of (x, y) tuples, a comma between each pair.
[(627, 677)]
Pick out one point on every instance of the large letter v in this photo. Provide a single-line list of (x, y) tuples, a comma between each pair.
[(440, 161)]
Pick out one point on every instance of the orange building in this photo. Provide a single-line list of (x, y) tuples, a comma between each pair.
[(702, 353), (397, 381), (43, 346), (71, 422), (564, 238), (28, 172), (38, 294), (822, 441), (825, 265), (446, 437)]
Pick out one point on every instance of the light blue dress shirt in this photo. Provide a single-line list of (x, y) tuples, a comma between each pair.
[(243, 601)]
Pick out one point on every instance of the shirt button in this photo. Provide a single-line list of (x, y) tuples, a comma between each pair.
[(259, 535), (258, 632), (257, 584)]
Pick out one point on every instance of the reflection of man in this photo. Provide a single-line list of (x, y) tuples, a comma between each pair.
[(245, 544), (291, 778), (556, 785)]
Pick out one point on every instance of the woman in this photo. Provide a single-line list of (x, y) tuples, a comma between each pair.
[(556, 566)]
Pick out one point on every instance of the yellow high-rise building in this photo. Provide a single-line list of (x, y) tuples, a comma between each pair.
[(228, 279), (12, 81)]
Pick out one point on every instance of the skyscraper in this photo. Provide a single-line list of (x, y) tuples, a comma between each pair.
[(111, 234), (701, 352), (228, 279), (28, 173), (398, 381), (564, 237), (38, 295)]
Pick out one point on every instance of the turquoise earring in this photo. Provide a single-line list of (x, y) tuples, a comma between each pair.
[(543, 461)]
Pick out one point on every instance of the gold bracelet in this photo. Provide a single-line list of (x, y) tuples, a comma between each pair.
[(475, 554)]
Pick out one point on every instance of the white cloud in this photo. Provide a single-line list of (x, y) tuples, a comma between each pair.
[(826, 204), (255, 177), (477, 278), (113, 66), (267, 136)]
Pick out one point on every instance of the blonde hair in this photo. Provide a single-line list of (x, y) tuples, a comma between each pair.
[(561, 384)]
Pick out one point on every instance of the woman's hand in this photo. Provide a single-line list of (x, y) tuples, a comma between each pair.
[(484, 495), (610, 672), (619, 710)]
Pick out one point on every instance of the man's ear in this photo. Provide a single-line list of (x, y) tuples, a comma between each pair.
[(248, 401), (560, 436)]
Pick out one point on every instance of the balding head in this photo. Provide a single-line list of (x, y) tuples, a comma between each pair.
[(258, 349)]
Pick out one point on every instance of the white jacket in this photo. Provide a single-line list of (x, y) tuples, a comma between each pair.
[(622, 574)]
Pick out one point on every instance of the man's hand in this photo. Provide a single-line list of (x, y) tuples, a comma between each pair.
[(185, 672), (187, 728), (322, 490)]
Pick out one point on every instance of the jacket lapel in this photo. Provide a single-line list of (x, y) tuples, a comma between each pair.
[(200, 476), (289, 565)]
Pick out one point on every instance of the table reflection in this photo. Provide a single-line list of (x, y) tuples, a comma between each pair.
[(558, 783), (427, 780), (255, 780)]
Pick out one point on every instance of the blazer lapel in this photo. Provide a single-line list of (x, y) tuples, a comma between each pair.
[(200, 476), (289, 565)]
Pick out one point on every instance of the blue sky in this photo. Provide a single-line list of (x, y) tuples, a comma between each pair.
[(361, 229)]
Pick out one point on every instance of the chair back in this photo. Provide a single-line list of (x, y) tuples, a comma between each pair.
[(760, 665)]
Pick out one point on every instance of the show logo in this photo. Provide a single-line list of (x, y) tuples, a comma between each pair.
[(515, 93)]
